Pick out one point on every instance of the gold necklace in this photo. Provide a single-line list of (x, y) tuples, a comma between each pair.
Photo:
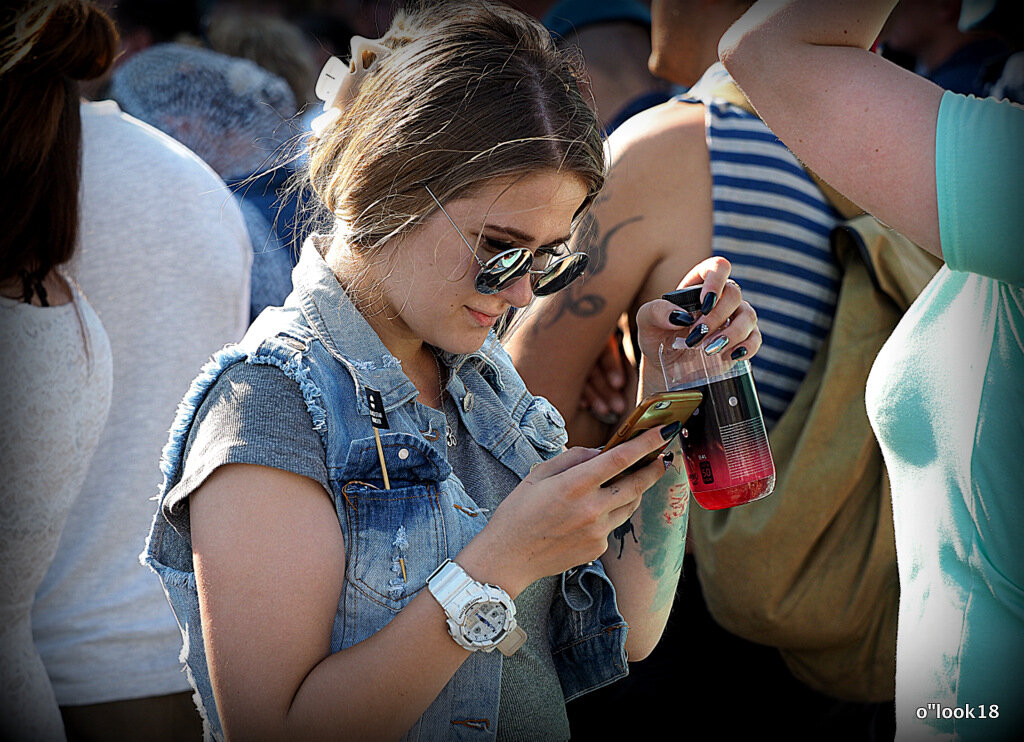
[(449, 432)]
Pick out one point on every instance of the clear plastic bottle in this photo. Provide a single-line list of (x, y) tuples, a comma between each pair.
[(724, 442)]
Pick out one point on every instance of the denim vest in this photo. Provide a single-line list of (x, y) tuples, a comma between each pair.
[(322, 342)]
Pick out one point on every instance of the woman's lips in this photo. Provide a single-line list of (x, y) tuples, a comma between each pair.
[(484, 320)]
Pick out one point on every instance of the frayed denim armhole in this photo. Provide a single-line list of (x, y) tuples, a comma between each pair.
[(171, 458), (290, 362)]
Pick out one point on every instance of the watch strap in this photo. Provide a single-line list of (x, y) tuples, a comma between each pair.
[(452, 587)]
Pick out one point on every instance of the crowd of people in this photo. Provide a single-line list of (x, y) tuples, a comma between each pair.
[(307, 378)]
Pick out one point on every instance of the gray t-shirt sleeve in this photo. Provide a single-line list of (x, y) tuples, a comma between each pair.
[(253, 414)]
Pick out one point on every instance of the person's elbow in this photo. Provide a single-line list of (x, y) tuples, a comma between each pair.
[(753, 44), (740, 48), (640, 644)]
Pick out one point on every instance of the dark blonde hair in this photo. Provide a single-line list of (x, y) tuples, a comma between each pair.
[(47, 47), (470, 91)]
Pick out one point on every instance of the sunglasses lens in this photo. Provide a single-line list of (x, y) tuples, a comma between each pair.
[(503, 270), (560, 274)]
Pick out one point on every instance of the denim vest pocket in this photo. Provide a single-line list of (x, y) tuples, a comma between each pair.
[(394, 537)]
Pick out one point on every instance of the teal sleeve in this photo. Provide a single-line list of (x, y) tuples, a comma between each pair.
[(979, 178)]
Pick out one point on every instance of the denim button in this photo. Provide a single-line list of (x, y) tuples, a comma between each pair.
[(403, 453), (467, 402)]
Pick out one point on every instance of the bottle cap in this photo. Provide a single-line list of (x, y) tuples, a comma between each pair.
[(688, 298)]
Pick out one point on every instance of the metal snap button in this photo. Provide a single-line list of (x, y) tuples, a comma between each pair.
[(403, 453)]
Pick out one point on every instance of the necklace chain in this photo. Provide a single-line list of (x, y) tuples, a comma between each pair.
[(449, 432)]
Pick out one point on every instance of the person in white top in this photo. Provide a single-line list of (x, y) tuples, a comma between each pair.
[(165, 258), (55, 363)]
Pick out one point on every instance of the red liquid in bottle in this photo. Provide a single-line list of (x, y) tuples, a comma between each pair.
[(726, 448)]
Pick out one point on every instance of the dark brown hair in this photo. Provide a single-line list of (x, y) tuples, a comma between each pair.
[(48, 46)]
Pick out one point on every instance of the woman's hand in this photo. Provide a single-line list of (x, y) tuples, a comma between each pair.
[(725, 324), (561, 514)]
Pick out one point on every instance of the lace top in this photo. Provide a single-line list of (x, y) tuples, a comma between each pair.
[(55, 364)]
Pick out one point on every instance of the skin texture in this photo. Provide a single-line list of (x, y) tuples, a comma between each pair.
[(267, 608), (862, 123)]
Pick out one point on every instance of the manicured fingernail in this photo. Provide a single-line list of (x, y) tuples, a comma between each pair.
[(681, 318), (697, 335), (709, 302), (716, 345), (739, 353), (671, 429), (667, 459)]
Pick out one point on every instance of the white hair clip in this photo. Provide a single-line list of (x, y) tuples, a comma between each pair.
[(338, 82)]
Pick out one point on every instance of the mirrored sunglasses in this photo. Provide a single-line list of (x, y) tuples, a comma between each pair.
[(509, 266)]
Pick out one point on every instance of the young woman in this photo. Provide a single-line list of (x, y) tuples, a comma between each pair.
[(944, 395), (55, 361), (322, 474)]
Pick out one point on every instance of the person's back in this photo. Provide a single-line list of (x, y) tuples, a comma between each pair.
[(165, 259), (235, 116)]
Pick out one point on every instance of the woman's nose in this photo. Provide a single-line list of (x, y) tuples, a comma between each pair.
[(520, 293)]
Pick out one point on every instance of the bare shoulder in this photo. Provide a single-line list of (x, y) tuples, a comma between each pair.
[(661, 140), (660, 173)]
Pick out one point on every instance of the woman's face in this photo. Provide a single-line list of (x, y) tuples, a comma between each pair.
[(428, 287)]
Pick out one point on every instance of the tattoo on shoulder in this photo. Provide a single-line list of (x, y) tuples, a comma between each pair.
[(578, 300)]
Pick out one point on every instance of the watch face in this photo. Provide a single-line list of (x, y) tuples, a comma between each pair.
[(485, 622)]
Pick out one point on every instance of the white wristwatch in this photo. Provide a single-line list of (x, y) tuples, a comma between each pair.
[(480, 616)]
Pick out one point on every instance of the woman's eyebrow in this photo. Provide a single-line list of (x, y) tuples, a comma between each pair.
[(523, 236)]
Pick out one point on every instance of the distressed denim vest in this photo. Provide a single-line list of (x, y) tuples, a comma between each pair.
[(322, 342)]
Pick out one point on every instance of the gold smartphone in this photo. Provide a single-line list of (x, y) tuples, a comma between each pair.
[(658, 409)]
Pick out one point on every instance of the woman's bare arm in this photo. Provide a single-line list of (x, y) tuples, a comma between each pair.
[(862, 123), (270, 561)]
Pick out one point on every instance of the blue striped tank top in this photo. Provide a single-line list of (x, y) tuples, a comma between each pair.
[(772, 223)]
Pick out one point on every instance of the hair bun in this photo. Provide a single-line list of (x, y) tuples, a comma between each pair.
[(72, 38)]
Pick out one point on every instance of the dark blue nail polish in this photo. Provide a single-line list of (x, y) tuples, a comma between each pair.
[(738, 353), (671, 429), (667, 459), (681, 318), (697, 335), (709, 302)]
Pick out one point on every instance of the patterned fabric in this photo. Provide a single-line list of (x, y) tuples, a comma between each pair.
[(773, 224), (229, 111), (56, 366)]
